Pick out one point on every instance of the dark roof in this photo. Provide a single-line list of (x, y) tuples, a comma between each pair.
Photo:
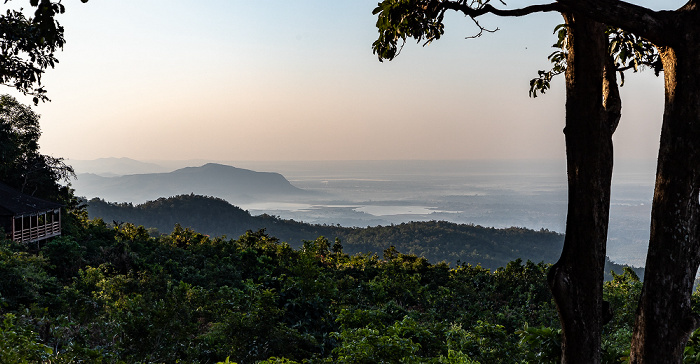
[(13, 202)]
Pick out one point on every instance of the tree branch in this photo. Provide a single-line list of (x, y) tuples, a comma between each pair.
[(644, 22), (467, 10)]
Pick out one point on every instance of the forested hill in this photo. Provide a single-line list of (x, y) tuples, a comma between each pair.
[(435, 240)]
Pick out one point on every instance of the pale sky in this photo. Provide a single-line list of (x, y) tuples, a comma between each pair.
[(297, 80)]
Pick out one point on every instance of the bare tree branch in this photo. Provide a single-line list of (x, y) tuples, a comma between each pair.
[(467, 10)]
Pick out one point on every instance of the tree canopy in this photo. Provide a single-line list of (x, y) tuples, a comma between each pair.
[(115, 294), (29, 46), (23, 167)]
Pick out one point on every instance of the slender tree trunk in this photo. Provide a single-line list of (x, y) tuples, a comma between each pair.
[(592, 113), (664, 319)]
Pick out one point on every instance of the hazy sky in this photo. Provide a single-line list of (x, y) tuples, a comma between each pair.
[(297, 80)]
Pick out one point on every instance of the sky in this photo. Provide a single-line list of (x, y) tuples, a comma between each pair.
[(296, 80)]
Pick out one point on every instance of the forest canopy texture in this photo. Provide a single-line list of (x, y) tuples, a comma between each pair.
[(119, 295)]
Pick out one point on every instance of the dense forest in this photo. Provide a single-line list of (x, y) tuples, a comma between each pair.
[(434, 240), (117, 294)]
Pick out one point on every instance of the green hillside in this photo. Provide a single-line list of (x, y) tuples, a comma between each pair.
[(435, 240)]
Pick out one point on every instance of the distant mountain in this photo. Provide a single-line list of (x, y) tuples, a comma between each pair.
[(435, 240), (109, 167), (233, 184)]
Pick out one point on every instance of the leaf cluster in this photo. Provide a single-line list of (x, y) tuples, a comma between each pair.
[(630, 51), (398, 20), (627, 51), (23, 167), (28, 46), (558, 59)]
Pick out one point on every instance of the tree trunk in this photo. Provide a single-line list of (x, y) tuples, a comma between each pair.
[(664, 319), (576, 280)]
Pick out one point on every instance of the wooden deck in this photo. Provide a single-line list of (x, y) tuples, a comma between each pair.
[(31, 228)]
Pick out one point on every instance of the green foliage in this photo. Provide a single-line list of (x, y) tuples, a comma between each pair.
[(541, 344), (29, 46), (398, 20), (558, 59), (19, 344), (24, 279), (484, 342), (632, 52), (275, 360), (455, 357), (117, 294), (392, 344), (66, 256), (627, 51), (208, 215), (227, 361), (435, 240), (622, 294), (23, 167), (691, 353)]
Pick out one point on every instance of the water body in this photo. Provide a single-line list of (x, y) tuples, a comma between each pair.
[(499, 194)]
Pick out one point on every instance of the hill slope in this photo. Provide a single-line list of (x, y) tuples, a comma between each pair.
[(435, 240), (108, 167)]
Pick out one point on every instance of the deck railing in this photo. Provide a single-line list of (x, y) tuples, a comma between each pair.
[(36, 227), (35, 233)]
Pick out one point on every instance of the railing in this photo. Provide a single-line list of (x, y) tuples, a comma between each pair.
[(35, 233)]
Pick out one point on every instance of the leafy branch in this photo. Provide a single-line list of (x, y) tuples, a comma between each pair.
[(28, 46), (398, 20), (627, 50)]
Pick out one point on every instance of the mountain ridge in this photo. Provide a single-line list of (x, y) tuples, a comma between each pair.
[(236, 185), (112, 166)]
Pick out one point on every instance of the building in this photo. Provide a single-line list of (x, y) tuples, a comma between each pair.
[(28, 219)]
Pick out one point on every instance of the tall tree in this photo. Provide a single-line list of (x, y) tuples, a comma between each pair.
[(576, 279), (664, 320), (592, 113), (23, 166)]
